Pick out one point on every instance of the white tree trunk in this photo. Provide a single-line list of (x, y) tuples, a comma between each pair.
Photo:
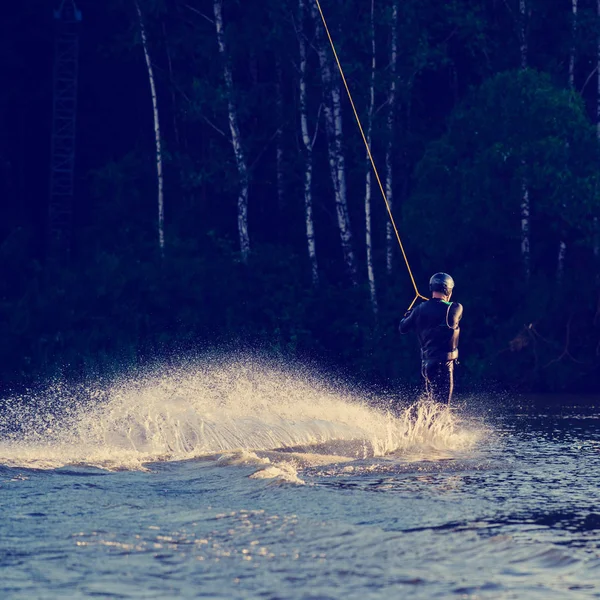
[(157, 136), (596, 242), (368, 182), (562, 252), (523, 32), (598, 74), (236, 138), (279, 135), (573, 37), (389, 177), (308, 148), (562, 245), (525, 215), (333, 120), (525, 204)]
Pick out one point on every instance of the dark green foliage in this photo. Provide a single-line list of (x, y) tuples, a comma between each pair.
[(517, 128), (470, 130)]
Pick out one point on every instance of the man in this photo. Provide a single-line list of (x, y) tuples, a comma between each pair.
[(436, 324)]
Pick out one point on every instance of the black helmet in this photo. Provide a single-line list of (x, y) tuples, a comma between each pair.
[(441, 282)]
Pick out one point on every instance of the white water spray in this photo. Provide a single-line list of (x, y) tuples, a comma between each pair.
[(241, 410)]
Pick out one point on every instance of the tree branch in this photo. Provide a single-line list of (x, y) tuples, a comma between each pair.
[(193, 9), (214, 126), (312, 145), (588, 79)]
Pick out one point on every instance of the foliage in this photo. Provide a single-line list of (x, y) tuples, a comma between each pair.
[(470, 131)]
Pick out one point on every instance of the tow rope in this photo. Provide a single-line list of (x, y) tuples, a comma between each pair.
[(364, 137)]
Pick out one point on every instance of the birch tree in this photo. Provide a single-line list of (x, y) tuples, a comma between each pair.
[(236, 138), (157, 135), (596, 233), (332, 106), (525, 201), (562, 245), (368, 182), (279, 134), (598, 76), (572, 54), (389, 178), (308, 148)]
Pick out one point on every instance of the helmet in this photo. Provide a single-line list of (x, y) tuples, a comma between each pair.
[(441, 282)]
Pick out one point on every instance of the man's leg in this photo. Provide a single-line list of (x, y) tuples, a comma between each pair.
[(439, 381), (427, 371), (445, 382), (430, 372)]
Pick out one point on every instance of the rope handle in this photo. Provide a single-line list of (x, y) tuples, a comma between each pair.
[(416, 298)]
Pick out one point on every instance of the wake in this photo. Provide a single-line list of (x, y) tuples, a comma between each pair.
[(233, 409)]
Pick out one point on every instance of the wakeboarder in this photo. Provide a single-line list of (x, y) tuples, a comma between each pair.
[(436, 325)]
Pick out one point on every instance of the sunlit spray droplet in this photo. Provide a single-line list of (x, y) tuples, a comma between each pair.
[(213, 407)]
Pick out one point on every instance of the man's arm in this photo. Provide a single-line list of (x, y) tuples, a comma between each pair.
[(455, 315), (407, 322)]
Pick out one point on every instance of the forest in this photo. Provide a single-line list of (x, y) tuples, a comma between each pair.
[(214, 190)]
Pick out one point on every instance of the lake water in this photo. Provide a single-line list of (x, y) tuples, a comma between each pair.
[(241, 480)]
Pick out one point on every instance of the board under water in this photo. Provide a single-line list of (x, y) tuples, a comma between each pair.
[(242, 480)]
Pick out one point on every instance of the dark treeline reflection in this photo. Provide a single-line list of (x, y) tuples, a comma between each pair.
[(483, 123)]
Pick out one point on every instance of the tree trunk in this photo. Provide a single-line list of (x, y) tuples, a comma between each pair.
[(562, 245), (368, 182), (236, 138), (596, 243), (525, 204), (159, 165), (308, 148), (389, 178), (525, 216), (598, 75), (562, 252), (523, 32), (279, 134), (573, 38), (333, 120)]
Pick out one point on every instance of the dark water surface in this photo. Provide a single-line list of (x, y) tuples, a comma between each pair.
[(288, 500)]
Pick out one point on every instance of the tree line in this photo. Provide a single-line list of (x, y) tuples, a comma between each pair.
[(225, 196)]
